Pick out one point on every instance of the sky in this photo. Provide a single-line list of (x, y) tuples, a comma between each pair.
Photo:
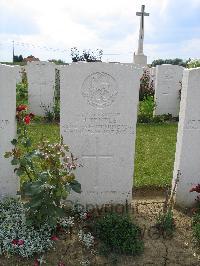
[(48, 29)]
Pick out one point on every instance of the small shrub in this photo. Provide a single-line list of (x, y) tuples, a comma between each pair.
[(49, 113), (196, 232), (196, 216), (146, 109), (146, 85), (21, 93), (165, 223), (165, 220), (48, 170), (119, 234)]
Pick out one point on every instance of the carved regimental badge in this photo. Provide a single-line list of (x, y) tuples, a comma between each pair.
[(100, 89)]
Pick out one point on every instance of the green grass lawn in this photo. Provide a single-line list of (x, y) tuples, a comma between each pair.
[(155, 151)]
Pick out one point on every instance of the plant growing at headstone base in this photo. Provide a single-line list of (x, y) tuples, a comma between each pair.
[(165, 220), (146, 109), (49, 171), (118, 234), (196, 215)]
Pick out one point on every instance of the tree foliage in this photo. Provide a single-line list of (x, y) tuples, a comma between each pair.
[(176, 61), (18, 58), (87, 55), (193, 63)]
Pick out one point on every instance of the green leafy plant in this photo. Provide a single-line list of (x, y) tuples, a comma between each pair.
[(49, 171), (196, 215), (165, 223), (119, 234), (146, 109), (21, 93), (165, 220)]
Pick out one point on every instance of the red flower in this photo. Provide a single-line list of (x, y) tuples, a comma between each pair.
[(14, 241), (21, 107), (88, 216), (27, 119), (61, 264), (31, 115), (20, 242), (54, 238), (196, 189)]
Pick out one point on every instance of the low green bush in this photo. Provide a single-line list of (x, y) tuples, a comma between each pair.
[(146, 109), (165, 223), (119, 234)]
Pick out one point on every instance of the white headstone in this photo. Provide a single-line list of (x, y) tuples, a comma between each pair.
[(9, 183), (167, 87), (187, 159), (98, 122), (19, 74), (41, 83)]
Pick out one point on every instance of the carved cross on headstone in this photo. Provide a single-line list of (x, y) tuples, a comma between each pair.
[(99, 157), (142, 14)]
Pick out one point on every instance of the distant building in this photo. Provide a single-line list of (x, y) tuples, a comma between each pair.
[(31, 58)]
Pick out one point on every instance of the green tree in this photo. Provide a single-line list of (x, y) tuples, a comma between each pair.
[(193, 63), (176, 61), (87, 55), (17, 58)]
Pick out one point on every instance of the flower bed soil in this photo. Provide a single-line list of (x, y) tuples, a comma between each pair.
[(159, 249)]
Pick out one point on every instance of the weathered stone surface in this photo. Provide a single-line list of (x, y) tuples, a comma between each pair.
[(187, 159), (167, 85), (98, 122), (8, 181), (41, 83)]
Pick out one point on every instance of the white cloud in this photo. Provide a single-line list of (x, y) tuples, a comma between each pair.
[(111, 25)]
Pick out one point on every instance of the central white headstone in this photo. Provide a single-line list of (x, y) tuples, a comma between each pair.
[(9, 183), (41, 84), (98, 122)]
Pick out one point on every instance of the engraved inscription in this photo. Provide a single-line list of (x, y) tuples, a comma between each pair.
[(3, 123), (109, 123), (100, 89), (168, 74), (192, 124)]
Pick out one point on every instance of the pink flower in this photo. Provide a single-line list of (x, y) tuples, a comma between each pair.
[(54, 238), (61, 264), (14, 241), (36, 263), (20, 242)]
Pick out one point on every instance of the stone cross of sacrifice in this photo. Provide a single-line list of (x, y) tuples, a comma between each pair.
[(142, 14)]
